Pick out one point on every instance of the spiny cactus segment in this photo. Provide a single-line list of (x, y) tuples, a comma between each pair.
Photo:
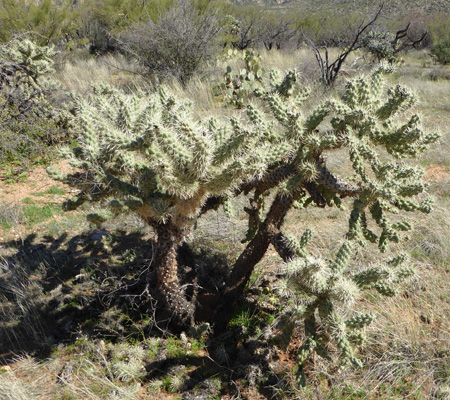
[(27, 62), (326, 291)]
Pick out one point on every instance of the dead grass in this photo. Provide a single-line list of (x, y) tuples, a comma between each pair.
[(79, 74)]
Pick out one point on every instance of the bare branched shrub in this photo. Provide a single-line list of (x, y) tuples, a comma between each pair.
[(180, 43)]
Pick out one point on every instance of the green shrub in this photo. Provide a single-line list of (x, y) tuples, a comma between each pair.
[(440, 35), (52, 20), (440, 51)]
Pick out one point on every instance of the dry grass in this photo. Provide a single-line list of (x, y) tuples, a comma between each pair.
[(79, 74), (199, 90), (10, 215), (20, 299), (78, 378)]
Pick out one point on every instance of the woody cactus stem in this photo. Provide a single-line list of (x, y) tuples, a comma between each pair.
[(169, 240), (253, 253)]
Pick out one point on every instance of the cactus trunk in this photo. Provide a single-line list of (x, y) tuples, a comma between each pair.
[(166, 265), (245, 264)]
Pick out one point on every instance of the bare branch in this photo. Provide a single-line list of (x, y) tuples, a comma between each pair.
[(329, 71)]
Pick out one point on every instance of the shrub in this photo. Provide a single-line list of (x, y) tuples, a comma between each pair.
[(440, 34), (103, 20), (52, 20), (179, 43), (440, 51)]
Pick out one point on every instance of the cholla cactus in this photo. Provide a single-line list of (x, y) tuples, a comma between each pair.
[(324, 293), (143, 153), (25, 62), (28, 120)]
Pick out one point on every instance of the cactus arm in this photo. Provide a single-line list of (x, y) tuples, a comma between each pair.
[(281, 245), (269, 180), (316, 196), (335, 184)]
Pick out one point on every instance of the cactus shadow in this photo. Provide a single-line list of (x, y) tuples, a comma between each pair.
[(54, 289)]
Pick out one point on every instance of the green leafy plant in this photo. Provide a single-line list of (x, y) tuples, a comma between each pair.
[(440, 51), (143, 153)]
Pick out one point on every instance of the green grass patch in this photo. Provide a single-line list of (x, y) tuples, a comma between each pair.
[(6, 225), (34, 214), (28, 200), (10, 176), (175, 347)]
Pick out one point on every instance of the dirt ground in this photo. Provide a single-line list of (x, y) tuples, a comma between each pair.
[(35, 181)]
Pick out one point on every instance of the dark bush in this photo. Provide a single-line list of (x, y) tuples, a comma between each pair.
[(440, 51)]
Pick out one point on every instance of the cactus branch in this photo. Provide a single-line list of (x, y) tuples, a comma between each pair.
[(248, 259)]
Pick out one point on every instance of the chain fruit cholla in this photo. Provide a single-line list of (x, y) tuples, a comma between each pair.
[(143, 153)]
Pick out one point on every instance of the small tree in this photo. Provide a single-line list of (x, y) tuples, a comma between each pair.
[(144, 154)]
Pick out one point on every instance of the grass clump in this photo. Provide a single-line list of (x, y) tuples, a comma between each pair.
[(53, 190), (34, 214), (10, 215)]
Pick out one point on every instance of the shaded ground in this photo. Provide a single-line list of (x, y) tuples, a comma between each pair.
[(62, 294)]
